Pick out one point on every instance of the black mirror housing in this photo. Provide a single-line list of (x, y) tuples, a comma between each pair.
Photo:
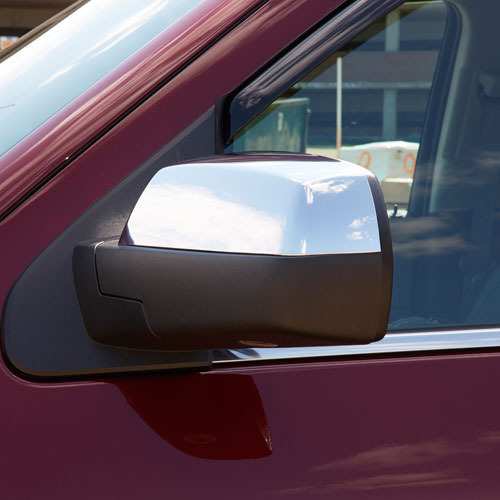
[(322, 275)]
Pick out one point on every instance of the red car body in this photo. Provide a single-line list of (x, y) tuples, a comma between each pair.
[(378, 426)]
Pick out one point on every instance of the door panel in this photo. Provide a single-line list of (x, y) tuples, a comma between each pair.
[(395, 428)]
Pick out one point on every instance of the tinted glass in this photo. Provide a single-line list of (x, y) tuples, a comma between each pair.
[(364, 104), (420, 106)]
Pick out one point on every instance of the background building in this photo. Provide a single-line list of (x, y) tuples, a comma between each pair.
[(386, 78)]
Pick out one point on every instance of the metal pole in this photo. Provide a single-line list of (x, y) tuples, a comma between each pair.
[(339, 105), (390, 102)]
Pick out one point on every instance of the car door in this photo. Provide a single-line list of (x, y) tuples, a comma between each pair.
[(407, 99), (412, 415)]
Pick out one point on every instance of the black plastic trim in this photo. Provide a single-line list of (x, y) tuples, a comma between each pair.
[(387, 255), (43, 333), (141, 297)]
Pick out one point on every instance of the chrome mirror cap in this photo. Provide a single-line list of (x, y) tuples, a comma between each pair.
[(296, 206), (244, 251)]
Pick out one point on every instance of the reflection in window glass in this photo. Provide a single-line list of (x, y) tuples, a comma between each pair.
[(56, 67)]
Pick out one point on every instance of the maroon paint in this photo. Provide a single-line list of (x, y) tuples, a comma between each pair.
[(402, 428), (219, 417), (27, 163), (413, 428), (148, 128)]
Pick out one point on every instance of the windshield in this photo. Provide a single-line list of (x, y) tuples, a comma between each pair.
[(54, 68)]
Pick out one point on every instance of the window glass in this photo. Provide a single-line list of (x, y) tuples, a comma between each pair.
[(56, 67), (419, 96), (364, 104)]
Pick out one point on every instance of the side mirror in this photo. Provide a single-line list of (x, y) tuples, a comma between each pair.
[(244, 251)]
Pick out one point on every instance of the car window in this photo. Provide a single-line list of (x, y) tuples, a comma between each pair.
[(365, 104), (415, 98), (57, 66)]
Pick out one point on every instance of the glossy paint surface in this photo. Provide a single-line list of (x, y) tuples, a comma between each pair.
[(280, 207), (60, 64), (387, 429), (52, 144), (402, 428), (150, 127)]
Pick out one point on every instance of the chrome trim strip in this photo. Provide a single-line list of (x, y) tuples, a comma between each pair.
[(391, 343)]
